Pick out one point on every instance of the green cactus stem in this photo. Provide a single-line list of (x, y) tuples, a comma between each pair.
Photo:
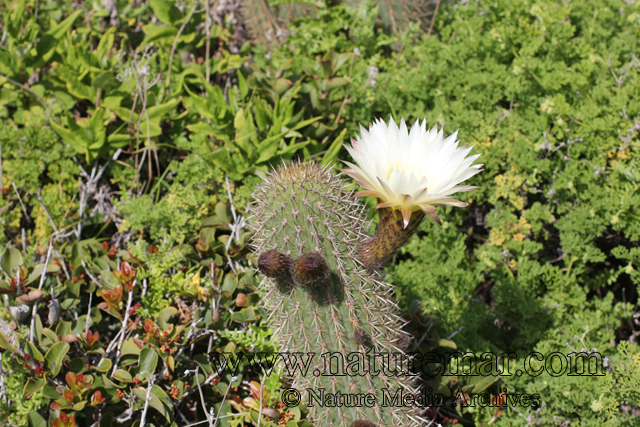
[(328, 302), (390, 236)]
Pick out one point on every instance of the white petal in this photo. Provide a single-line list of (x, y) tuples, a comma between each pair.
[(411, 167)]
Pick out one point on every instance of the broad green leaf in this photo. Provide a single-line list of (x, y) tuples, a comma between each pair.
[(165, 10), (157, 400), (37, 272), (47, 43), (118, 140), (201, 128), (304, 123), (130, 347), (245, 315), (155, 33), (292, 148), (159, 111), (4, 343), (164, 315), (32, 386), (105, 45), (336, 82), (11, 260), (148, 361), (35, 353), (35, 420), (281, 85), (54, 357), (74, 85), (70, 138), (104, 366), (105, 81), (447, 343), (334, 149), (122, 375)]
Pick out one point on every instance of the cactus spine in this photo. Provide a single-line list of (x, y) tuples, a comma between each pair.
[(320, 298)]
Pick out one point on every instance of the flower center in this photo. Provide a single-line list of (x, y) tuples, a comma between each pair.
[(409, 169)]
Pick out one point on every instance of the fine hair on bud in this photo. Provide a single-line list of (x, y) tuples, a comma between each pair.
[(403, 340), (274, 264), (309, 269), (362, 423), (360, 336)]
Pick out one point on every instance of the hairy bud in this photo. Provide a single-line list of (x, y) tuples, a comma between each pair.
[(309, 268), (274, 264)]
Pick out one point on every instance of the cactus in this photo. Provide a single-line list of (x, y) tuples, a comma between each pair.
[(319, 295)]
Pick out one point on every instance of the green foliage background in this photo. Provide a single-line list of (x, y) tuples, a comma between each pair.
[(127, 126)]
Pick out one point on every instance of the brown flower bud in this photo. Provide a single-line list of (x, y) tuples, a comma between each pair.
[(310, 268), (241, 300), (362, 423), (274, 264), (360, 336)]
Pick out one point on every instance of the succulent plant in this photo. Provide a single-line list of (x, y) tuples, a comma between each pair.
[(320, 298)]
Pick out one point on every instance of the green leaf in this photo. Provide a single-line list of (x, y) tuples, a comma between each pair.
[(202, 128), (104, 366), (148, 361), (245, 315), (340, 60), (35, 420), (304, 123), (48, 42), (165, 10), (130, 347), (105, 81), (74, 85), (11, 260), (70, 137), (54, 357), (334, 149), (164, 315), (49, 391), (336, 82), (292, 148), (37, 272), (157, 400), (35, 353), (155, 33), (122, 375), (118, 140), (32, 386), (281, 85), (447, 343)]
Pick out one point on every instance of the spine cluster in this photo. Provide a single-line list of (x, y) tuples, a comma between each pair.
[(320, 295)]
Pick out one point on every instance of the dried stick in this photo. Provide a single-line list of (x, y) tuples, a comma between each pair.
[(1, 184), (42, 279), (207, 27), (175, 43), (435, 12), (204, 406), (146, 401), (64, 266), (233, 380), (91, 276), (124, 327), (53, 224), (86, 327), (19, 198), (3, 390)]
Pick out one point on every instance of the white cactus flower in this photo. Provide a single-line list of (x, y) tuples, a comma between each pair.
[(411, 170)]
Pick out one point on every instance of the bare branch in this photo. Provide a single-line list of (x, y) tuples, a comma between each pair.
[(124, 327), (53, 224), (42, 279)]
